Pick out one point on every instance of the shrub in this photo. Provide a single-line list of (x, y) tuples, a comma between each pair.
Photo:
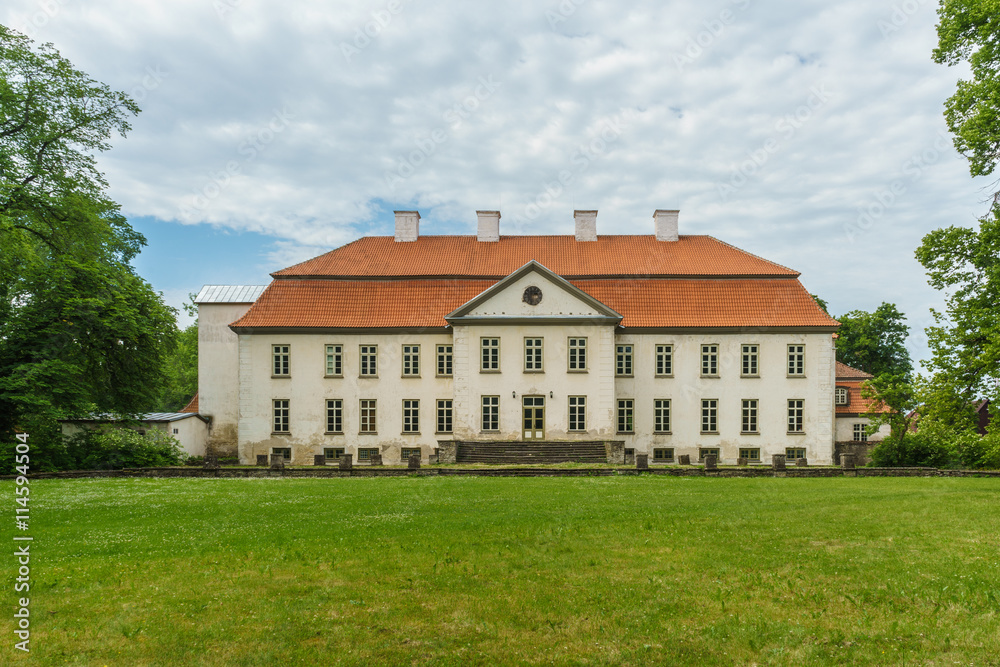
[(979, 451), (931, 447), (117, 448)]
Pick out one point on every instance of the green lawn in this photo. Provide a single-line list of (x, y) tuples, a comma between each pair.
[(622, 570)]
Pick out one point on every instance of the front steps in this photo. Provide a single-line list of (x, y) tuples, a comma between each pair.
[(528, 451)]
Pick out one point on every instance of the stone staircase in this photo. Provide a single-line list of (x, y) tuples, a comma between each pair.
[(541, 451)]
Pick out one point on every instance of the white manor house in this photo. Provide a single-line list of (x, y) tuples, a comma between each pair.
[(658, 344)]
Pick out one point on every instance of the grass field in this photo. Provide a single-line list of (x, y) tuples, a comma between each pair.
[(625, 570)]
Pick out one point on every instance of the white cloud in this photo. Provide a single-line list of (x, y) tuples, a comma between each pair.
[(257, 120)]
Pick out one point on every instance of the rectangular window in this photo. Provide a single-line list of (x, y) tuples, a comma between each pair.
[(411, 361), (286, 452), (578, 354), (411, 416), (795, 411), (280, 415), (664, 360), (491, 413), (750, 361), (533, 355), (661, 415), (333, 453), (623, 360), (367, 453), (368, 414), (840, 394), (860, 433), (626, 421), (663, 454), (444, 360), (335, 416), (281, 356), (334, 360), (406, 452), (797, 360), (752, 453), (792, 453), (710, 415), (578, 413), (708, 451), (709, 360), (491, 355), (369, 361), (750, 416), (444, 416)]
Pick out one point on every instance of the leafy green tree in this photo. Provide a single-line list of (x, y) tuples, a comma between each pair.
[(79, 330), (181, 367), (969, 31), (965, 340), (821, 303), (932, 445), (875, 342)]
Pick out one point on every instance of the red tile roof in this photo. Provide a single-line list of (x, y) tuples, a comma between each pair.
[(856, 403), (642, 302), (192, 405), (381, 256), (845, 372)]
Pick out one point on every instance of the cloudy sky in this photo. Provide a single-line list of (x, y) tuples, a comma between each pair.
[(809, 133)]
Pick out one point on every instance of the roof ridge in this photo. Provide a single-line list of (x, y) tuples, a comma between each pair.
[(755, 256)]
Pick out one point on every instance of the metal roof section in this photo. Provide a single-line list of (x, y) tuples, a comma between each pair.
[(229, 293), (146, 417)]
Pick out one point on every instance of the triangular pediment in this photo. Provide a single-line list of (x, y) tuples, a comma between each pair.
[(534, 292)]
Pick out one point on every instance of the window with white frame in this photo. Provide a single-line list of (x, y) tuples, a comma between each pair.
[(749, 415), (444, 415), (664, 360), (840, 394), (335, 415), (709, 360), (491, 413), (577, 355), (281, 356), (860, 433), (661, 415), (444, 360), (280, 413), (710, 415), (411, 416), (796, 411), (334, 360), (626, 415), (796, 360), (533, 355), (368, 415), (411, 361), (750, 367), (369, 360), (491, 355), (578, 413), (623, 360)]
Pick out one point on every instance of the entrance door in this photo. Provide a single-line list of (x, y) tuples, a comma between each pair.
[(533, 413)]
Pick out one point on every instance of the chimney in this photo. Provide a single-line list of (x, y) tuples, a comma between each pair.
[(489, 226), (407, 226), (586, 225), (666, 225)]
